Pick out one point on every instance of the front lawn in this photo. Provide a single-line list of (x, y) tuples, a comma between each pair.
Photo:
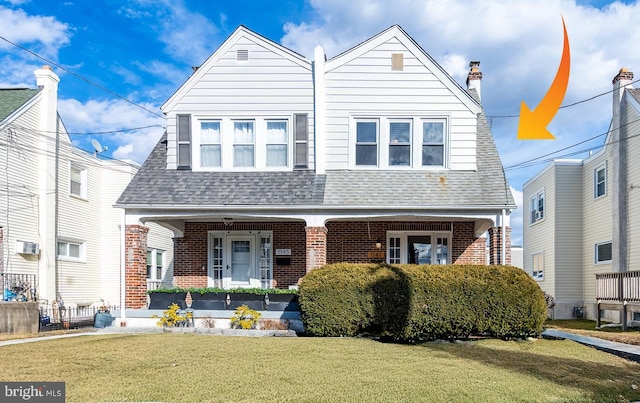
[(200, 368)]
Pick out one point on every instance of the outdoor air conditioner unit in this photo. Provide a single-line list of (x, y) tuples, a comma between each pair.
[(27, 248)]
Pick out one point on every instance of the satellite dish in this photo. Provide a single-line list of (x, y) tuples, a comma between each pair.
[(97, 147)]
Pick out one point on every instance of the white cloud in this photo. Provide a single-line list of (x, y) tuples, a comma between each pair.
[(47, 33), (187, 35), (99, 116)]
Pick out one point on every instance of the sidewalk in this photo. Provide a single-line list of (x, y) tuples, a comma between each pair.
[(627, 351)]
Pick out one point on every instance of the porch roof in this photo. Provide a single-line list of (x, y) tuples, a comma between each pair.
[(154, 185)]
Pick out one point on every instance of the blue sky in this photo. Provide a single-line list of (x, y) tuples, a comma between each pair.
[(143, 50)]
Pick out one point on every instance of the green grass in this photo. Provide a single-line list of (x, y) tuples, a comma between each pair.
[(199, 368)]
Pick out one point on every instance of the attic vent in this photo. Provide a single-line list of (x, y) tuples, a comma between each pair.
[(242, 55), (397, 61)]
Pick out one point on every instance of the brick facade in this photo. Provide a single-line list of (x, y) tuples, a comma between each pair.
[(136, 266), (495, 245), (312, 247), (190, 251), (349, 241), (316, 247)]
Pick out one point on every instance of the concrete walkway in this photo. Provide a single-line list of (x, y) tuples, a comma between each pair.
[(627, 351)]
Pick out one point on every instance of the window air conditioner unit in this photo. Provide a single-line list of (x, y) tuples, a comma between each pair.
[(27, 248)]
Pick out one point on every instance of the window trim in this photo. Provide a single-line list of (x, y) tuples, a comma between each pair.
[(533, 266), (416, 121), (539, 216), (445, 152), (356, 143), (199, 143), (286, 143), (83, 181), (154, 264), (66, 256), (595, 253), (599, 168), (259, 142), (404, 239)]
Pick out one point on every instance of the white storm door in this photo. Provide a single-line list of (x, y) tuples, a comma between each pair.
[(241, 260)]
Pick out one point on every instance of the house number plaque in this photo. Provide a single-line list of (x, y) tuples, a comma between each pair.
[(283, 252)]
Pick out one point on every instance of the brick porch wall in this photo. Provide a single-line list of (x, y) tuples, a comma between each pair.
[(136, 266), (316, 247), (190, 251), (351, 241), (495, 245)]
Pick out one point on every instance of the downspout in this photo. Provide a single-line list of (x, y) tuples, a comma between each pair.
[(122, 268), (55, 215), (503, 239)]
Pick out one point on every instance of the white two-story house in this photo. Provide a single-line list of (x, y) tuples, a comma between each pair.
[(274, 164), (59, 231)]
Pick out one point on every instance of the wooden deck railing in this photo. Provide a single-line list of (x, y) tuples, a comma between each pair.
[(619, 292), (618, 287)]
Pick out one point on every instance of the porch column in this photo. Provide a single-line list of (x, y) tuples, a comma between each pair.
[(495, 245), (136, 266), (316, 247)]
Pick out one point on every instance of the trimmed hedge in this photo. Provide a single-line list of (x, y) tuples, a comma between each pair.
[(412, 303)]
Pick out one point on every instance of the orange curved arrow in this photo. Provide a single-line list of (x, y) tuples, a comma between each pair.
[(533, 124)]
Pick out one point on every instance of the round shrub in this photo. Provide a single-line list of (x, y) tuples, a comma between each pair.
[(412, 303)]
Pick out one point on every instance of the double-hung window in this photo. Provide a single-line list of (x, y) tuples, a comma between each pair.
[(536, 207), (400, 143), (600, 181), (210, 144), (155, 264), (433, 138), (277, 143), (78, 181), (537, 260), (367, 143), (243, 144)]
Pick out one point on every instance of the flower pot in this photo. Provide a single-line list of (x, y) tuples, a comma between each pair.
[(283, 302), (163, 300), (209, 300)]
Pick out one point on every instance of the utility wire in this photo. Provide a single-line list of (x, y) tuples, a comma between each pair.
[(563, 106), (80, 77)]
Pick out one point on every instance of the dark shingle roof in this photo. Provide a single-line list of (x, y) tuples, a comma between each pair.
[(13, 98), (156, 185), (635, 92)]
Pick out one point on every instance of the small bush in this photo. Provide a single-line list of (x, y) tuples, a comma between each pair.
[(245, 318), (413, 303)]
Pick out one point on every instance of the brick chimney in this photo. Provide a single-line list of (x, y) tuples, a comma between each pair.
[(474, 77)]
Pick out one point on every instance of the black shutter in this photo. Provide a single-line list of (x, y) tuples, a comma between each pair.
[(184, 141), (301, 154)]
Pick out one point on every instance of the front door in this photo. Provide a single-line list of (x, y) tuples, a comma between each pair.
[(241, 260), (419, 249)]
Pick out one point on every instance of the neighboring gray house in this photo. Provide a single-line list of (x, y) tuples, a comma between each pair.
[(59, 230), (274, 164), (582, 218)]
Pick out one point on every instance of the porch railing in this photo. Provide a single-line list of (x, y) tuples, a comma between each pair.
[(618, 287), (153, 284), (19, 287), (618, 291)]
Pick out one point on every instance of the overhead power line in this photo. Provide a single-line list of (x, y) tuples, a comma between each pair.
[(81, 77)]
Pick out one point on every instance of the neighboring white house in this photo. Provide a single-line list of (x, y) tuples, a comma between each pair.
[(582, 217), (57, 220)]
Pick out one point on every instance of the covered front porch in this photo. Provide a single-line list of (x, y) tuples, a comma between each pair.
[(236, 250)]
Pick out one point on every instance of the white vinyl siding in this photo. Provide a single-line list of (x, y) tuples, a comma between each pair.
[(270, 84), (366, 86)]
